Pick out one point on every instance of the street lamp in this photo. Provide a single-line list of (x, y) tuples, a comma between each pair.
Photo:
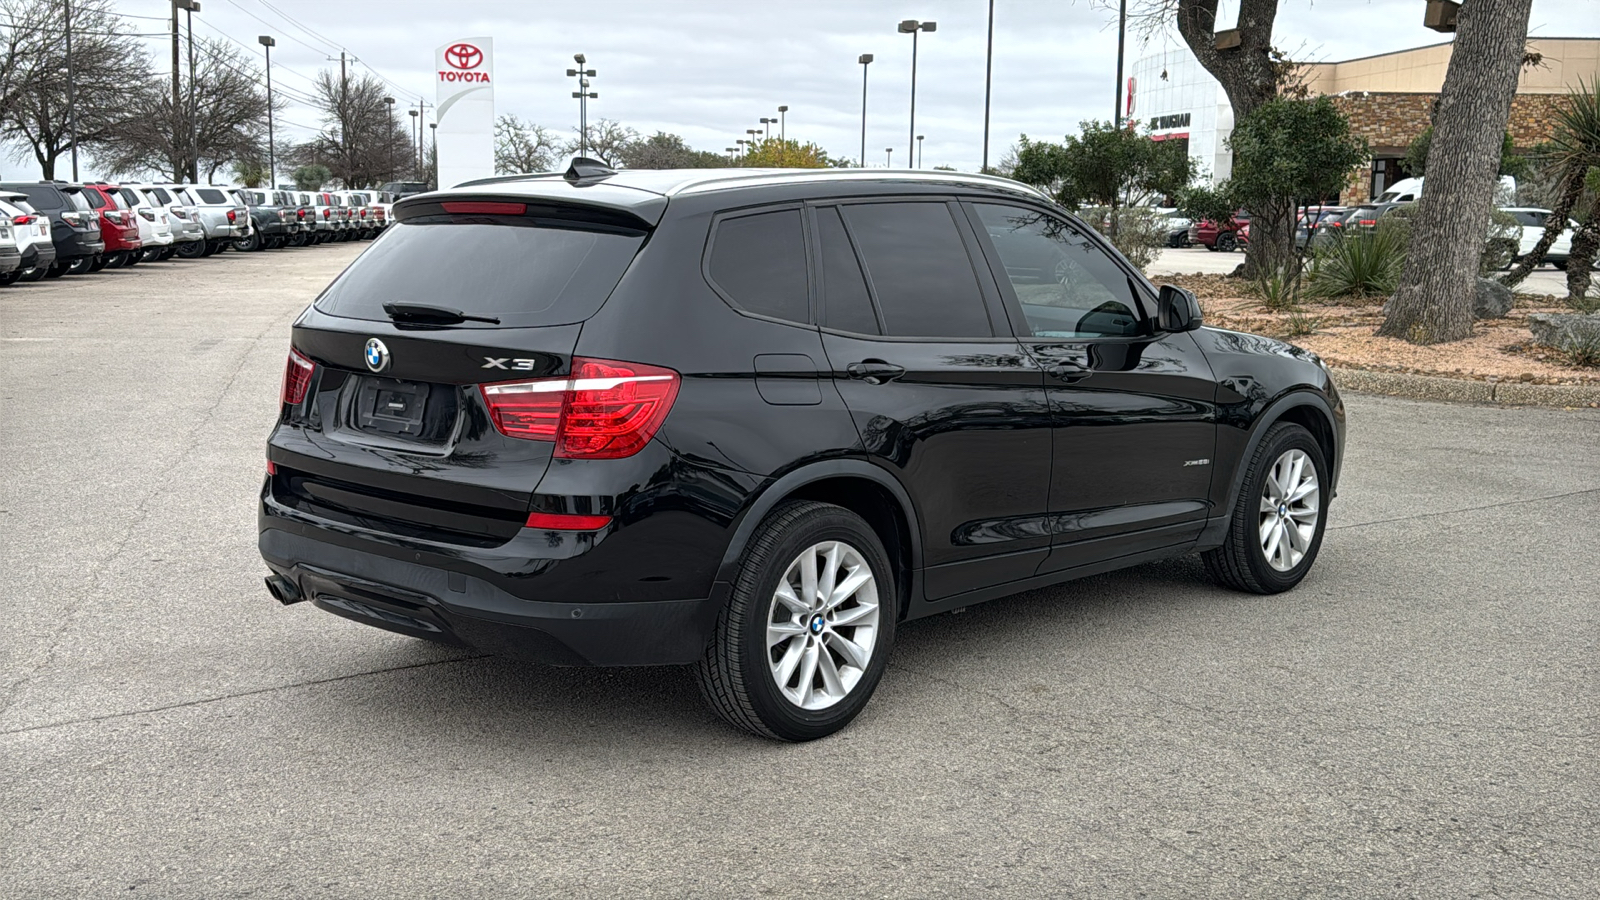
[(190, 7), (730, 151), (865, 60), (389, 140), (416, 132), (919, 151), (888, 157), (914, 28), (768, 123), (272, 161), (752, 142), (433, 136), (583, 95)]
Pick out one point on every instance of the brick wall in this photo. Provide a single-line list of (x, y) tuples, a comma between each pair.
[(1390, 122)]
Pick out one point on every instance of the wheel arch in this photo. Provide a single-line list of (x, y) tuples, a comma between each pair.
[(857, 485), (1304, 407)]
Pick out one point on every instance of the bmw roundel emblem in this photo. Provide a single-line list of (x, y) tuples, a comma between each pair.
[(377, 355)]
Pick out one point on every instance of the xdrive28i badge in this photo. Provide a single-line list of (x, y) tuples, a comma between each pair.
[(377, 355)]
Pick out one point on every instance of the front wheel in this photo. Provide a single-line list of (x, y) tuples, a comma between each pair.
[(1277, 524), (806, 634)]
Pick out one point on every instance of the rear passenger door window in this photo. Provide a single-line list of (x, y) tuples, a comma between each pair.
[(1066, 286), (917, 269), (758, 263)]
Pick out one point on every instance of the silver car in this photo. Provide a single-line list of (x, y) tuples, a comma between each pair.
[(225, 218)]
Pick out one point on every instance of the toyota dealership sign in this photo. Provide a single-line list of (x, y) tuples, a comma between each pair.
[(465, 112)]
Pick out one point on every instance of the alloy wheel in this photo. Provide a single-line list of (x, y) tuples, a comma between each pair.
[(822, 625), (1290, 505)]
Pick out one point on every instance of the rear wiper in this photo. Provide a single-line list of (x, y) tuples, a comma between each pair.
[(432, 315)]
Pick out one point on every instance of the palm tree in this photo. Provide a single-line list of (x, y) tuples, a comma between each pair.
[(1571, 154)]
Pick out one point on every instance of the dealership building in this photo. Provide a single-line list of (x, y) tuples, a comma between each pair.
[(1387, 98)]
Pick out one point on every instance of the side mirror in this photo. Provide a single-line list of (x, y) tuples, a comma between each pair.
[(1177, 310)]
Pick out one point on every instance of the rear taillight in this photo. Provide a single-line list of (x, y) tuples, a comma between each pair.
[(232, 217), (296, 378), (149, 215), (72, 218), (300, 214), (604, 410), (1368, 222), (21, 220), (327, 213)]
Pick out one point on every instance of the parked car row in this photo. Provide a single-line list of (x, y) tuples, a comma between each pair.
[(53, 228)]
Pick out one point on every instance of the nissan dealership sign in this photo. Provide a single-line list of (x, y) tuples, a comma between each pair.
[(465, 111)]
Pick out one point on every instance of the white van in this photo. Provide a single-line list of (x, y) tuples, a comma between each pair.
[(1408, 190)]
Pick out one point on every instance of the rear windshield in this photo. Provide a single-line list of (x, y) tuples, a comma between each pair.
[(77, 200), (520, 274), (210, 195), (96, 199), (118, 201)]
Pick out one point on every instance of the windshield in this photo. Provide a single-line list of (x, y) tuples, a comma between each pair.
[(520, 274)]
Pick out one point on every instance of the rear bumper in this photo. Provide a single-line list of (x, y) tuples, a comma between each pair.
[(10, 259), (437, 596), (80, 243), (39, 256)]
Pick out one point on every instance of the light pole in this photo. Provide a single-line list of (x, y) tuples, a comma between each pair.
[(783, 134), (1122, 34), (988, 73), (888, 157), (914, 28), (865, 60), (272, 159), (433, 140), (741, 142), (730, 151), (752, 142), (190, 7), (919, 151), (583, 95), (389, 139), (72, 111), (768, 123), (416, 135)]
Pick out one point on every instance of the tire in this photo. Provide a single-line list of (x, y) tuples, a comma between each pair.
[(1242, 561), (37, 273), (1561, 266), (59, 269), (739, 676), (9, 278), (111, 261), (1211, 246), (96, 263), (192, 249), (248, 244), (133, 258), (1226, 242)]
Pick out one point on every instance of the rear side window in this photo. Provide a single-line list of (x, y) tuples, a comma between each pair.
[(131, 196), (520, 274), (210, 195), (919, 270), (43, 196), (759, 262), (118, 201), (846, 305)]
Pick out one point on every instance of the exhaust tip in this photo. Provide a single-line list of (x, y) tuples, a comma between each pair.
[(283, 590)]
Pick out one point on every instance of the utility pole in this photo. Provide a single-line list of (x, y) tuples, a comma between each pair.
[(177, 175), (1122, 34), (72, 109), (191, 6), (988, 78)]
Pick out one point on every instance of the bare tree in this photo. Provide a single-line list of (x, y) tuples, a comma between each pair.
[(523, 146), (106, 58), (606, 142), (219, 124), (361, 142), (1433, 303)]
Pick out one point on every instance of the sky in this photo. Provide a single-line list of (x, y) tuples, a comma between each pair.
[(709, 69)]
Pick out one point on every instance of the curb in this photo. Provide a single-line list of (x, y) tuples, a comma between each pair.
[(1460, 390)]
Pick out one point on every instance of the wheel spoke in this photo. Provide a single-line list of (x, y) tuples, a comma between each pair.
[(1276, 538), (808, 578), (830, 576), (1305, 489), (853, 614), (847, 588), (1267, 506), (785, 595), (808, 672), (778, 632), (1308, 516), (787, 665), (830, 674), (1268, 526), (853, 653)]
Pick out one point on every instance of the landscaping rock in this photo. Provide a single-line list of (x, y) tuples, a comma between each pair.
[(1565, 331), (1491, 301)]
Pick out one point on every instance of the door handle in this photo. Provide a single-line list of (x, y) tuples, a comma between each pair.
[(1068, 370), (874, 371)]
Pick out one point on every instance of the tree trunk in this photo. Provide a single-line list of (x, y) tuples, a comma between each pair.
[(1579, 260), (1571, 188), (1433, 303)]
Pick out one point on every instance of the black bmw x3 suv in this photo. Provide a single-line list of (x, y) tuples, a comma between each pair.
[(754, 420)]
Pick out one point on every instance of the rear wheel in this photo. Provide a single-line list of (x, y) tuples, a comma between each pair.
[(1226, 242), (1278, 521), (806, 634), (111, 261), (11, 277), (35, 273), (249, 243), (192, 249), (59, 269), (86, 264)]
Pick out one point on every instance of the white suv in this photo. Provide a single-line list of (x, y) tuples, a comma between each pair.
[(1533, 219), (155, 226), (32, 234)]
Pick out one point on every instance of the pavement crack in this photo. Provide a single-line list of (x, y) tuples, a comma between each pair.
[(314, 682), (1452, 512)]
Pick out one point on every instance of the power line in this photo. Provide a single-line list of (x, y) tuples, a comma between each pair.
[(337, 47)]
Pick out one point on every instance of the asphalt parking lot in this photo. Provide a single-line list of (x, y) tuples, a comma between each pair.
[(1418, 719), (1170, 261)]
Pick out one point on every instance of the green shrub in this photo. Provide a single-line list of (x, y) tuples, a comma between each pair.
[(1300, 325), (1139, 232), (1359, 266), (1584, 351), (1279, 290), (1587, 303)]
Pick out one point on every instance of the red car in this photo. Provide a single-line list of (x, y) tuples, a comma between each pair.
[(1236, 234), (118, 226)]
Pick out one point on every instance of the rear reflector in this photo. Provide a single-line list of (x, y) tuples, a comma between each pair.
[(272, 467), (297, 378), (604, 410), (484, 208), (565, 522)]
